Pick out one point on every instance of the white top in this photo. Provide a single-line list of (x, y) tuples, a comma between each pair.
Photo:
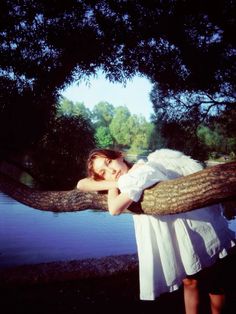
[(173, 246)]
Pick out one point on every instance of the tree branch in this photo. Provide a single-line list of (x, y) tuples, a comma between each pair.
[(206, 187)]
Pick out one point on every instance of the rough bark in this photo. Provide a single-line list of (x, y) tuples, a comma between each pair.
[(205, 187)]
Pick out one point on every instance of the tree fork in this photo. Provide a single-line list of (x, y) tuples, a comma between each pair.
[(212, 185)]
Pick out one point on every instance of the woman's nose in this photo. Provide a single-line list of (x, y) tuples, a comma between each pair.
[(111, 170)]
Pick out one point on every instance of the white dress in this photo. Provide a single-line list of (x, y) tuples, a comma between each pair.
[(170, 247)]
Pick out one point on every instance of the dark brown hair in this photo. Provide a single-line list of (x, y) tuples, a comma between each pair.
[(100, 152)]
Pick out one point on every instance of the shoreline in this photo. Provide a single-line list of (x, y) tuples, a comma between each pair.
[(103, 285), (50, 272), (94, 285)]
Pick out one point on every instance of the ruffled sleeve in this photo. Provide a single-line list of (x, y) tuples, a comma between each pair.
[(135, 181)]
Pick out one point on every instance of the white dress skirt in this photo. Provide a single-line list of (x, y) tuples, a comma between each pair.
[(170, 247)]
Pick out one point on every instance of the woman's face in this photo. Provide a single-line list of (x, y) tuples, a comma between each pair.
[(109, 169)]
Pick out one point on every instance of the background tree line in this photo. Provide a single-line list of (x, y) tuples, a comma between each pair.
[(59, 156), (114, 127)]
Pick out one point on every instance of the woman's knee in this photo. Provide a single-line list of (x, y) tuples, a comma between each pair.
[(190, 283)]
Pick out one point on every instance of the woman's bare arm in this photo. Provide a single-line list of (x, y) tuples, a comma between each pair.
[(116, 202), (90, 185)]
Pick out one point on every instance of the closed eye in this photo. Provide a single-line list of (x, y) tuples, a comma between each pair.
[(108, 161)]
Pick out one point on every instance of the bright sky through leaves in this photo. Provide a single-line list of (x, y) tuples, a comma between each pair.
[(135, 95)]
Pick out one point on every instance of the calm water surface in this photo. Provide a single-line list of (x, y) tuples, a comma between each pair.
[(29, 236)]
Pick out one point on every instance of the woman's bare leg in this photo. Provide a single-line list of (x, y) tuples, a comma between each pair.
[(217, 302), (191, 296)]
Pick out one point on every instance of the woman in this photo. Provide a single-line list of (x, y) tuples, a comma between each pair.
[(172, 249)]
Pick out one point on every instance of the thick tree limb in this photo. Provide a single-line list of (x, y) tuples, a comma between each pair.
[(205, 187)]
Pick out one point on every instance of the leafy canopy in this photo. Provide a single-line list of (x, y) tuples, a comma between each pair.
[(184, 45)]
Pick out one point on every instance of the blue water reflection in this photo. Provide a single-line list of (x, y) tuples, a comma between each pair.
[(29, 236)]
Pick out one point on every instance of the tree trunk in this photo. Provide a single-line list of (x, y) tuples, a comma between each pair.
[(209, 186)]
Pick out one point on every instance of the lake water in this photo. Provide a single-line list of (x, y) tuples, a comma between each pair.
[(29, 236)]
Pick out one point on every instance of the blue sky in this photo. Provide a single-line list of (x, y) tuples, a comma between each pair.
[(135, 95)]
